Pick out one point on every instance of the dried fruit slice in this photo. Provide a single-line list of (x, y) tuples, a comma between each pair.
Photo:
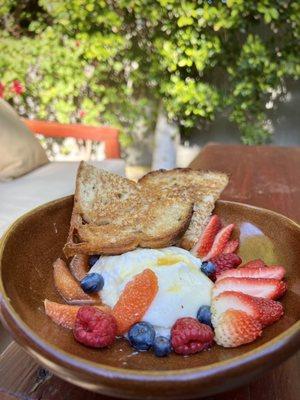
[(135, 300), (276, 272), (79, 266), (231, 246), (68, 287), (220, 242), (257, 287), (206, 240), (235, 328), (65, 314)]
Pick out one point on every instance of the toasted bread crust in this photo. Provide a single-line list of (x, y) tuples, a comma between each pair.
[(174, 236), (113, 215), (203, 187)]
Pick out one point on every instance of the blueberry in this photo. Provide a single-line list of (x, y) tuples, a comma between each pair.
[(92, 260), (204, 315), (141, 336), (91, 283), (208, 268), (162, 346)]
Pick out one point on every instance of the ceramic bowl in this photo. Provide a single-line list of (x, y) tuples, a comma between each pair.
[(35, 240)]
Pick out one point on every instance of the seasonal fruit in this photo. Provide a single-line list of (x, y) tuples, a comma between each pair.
[(276, 272), (233, 301), (257, 263), (68, 287), (204, 315), (79, 266), (65, 314), (234, 328), (135, 300), (94, 328), (92, 282), (265, 311), (189, 336), (220, 242), (224, 262), (270, 310), (231, 246), (162, 346), (141, 336), (206, 239), (208, 268), (258, 287)]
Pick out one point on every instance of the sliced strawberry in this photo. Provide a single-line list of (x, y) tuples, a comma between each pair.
[(258, 263), (68, 287), (258, 287), (65, 314), (276, 272), (270, 310), (231, 246), (135, 300), (79, 266), (206, 239), (235, 301), (220, 242), (265, 311), (235, 328), (276, 265)]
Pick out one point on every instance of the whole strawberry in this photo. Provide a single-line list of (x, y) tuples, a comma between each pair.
[(94, 328), (225, 262), (189, 336)]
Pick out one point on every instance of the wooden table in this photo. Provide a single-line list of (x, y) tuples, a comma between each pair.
[(263, 176)]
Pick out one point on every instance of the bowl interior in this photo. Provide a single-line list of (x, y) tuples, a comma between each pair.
[(37, 240)]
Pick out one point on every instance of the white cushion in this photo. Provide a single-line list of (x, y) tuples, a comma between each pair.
[(44, 184)]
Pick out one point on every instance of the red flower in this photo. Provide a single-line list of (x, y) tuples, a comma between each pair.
[(17, 87), (2, 87), (81, 113)]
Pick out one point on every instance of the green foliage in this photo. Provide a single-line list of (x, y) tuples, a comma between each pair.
[(110, 62)]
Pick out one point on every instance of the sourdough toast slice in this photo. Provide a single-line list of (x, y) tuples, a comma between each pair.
[(100, 194), (112, 215), (167, 220), (202, 188)]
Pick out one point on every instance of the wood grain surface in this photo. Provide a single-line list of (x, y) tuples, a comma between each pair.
[(264, 176)]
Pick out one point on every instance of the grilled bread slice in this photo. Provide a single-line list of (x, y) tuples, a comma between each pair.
[(200, 187), (112, 215)]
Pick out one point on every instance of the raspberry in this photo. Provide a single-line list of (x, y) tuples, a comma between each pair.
[(188, 336), (224, 262), (94, 328)]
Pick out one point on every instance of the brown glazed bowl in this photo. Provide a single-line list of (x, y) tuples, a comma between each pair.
[(35, 240)]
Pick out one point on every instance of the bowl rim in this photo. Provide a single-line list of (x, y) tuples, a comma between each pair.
[(287, 340)]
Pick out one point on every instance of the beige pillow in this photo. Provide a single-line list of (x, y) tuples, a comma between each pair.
[(20, 151)]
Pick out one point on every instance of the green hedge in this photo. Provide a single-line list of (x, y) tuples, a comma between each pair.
[(96, 61)]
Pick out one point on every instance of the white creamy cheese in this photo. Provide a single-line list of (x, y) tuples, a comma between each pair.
[(183, 288)]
